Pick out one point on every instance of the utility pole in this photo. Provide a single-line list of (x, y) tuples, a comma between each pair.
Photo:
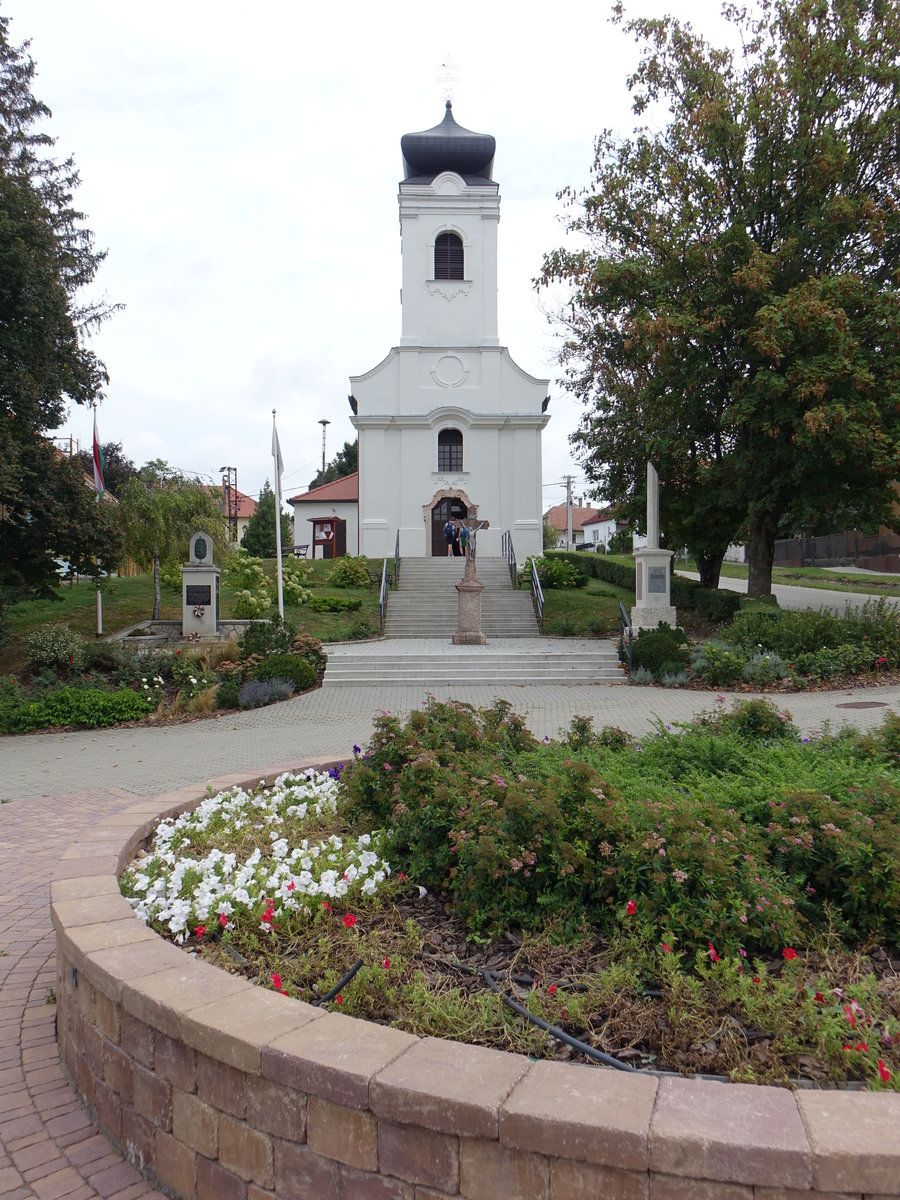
[(568, 512)]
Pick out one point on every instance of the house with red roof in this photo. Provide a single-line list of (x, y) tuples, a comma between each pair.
[(326, 519)]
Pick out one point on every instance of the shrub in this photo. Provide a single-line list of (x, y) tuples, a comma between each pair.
[(619, 574), (248, 606), (554, 571), (751, 628), (758, 720), (87, 707), (834, 662), (717, 663), (268, 637), (245, 571), (287, 666), (311, 649), (673, 679), (349, 573), (654, 648), (170, 577), (256, 693), (335, 604), (56, 646), (763, 667), (716, 605), (640, 677), (228, 692)]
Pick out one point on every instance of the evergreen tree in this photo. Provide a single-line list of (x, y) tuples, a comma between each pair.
[(259, 536)]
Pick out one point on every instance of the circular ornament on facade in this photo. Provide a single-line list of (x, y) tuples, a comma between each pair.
[(449, 371)]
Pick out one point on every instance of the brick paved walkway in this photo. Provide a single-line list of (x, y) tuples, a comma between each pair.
[(48, 1147)]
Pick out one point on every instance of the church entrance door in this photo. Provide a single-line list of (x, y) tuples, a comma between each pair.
[(444, 511)]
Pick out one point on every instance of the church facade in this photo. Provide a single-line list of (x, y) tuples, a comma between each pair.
[(449, 426)]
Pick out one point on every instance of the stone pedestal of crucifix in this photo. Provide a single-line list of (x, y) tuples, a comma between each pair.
[(652, 592), (468, 631)]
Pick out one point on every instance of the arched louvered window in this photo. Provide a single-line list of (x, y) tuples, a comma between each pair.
[(450, 450), (448, 256)]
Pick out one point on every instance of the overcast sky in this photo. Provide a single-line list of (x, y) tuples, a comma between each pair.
[(240, 164)]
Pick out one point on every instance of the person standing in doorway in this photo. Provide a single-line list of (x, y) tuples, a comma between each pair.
[(450, 536), (456, 550), (463, 540)]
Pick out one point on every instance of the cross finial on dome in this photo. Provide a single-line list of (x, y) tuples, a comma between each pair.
[(448, 78)]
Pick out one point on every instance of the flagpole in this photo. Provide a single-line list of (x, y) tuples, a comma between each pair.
[(276, 454), (99, 488)]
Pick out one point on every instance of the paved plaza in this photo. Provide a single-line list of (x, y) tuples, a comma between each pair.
[(55, 786)]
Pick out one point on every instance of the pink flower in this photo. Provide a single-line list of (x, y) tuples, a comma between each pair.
[(788, 953), (387, 964), (277, 983), (631, 908), (223, 920), (349, 920), (883, 1072), (291, 886), (714, 957)]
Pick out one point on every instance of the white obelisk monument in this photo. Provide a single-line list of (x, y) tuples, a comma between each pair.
[(652, 595)]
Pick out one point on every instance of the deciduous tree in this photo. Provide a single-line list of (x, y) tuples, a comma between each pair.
[(734, 312)]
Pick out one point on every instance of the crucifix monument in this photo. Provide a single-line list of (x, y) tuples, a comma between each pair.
[(652, 593)]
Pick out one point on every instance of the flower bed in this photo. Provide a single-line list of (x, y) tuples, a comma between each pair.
[(213, 1086)]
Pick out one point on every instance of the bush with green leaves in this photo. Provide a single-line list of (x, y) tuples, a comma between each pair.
[(349, 573), (245, 571), (294, 593), (731, 830), (268, 637), (718, 663), (250, 606), (335, 604), (90, 708), (764, 667), (311, 649), (716, 604), (170, 577), (660, 649), (57, 646), (835, 662), (228, 691), (287, 666)]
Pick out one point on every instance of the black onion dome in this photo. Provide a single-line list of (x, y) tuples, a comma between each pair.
[(447, 147)]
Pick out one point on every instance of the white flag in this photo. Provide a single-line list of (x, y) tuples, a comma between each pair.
[(279, 461)]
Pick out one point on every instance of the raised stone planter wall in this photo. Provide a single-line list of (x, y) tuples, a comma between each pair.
[(221, 1090)]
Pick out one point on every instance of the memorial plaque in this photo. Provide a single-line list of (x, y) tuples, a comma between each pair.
[(201, 548), (198, 593), (656, 579)]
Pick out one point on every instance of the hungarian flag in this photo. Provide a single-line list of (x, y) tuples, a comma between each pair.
[(98, 460)]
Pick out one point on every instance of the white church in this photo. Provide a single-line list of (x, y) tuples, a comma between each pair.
[(449, 426)]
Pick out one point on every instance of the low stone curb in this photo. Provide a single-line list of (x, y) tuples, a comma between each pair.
[(217, 1089)]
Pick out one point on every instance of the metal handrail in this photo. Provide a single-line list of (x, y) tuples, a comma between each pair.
[(396, 583), (506, 545), (538, 593), (382, 599), (625, 625)]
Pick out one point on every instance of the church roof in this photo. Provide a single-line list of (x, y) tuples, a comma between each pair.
[(345, 488), (448, 147)]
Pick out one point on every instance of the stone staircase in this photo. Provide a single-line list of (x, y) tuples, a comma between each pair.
[(426, 604), (422, 616)]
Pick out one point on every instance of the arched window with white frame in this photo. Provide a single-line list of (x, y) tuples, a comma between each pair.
[(450, 450), (449, 259)]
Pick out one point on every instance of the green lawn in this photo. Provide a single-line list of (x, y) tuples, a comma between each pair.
[(591, 611), (815, 577), (127, 602)]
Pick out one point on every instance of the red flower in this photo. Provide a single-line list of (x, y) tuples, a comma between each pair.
[(326, 906), (788, 953), (883, 1072), (387, 964), (339, 998), (349, 920), (665, 947), (223, 920), (551, 990), (850, 1015), (277, 983), (402, 876), (819, 998), (291, 886), (756, 979), (712, 953), (199, 931), (563, 1015), (631, 908)]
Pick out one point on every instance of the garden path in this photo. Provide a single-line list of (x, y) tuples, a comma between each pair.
[(53, 787)]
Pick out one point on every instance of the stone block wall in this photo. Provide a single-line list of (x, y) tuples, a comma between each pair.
[(217, 1089)]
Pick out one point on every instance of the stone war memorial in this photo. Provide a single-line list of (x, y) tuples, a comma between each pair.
[(200, 590), (652, 589)]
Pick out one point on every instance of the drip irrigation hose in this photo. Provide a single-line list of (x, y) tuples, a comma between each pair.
[(342, 983), (553, 1030)]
